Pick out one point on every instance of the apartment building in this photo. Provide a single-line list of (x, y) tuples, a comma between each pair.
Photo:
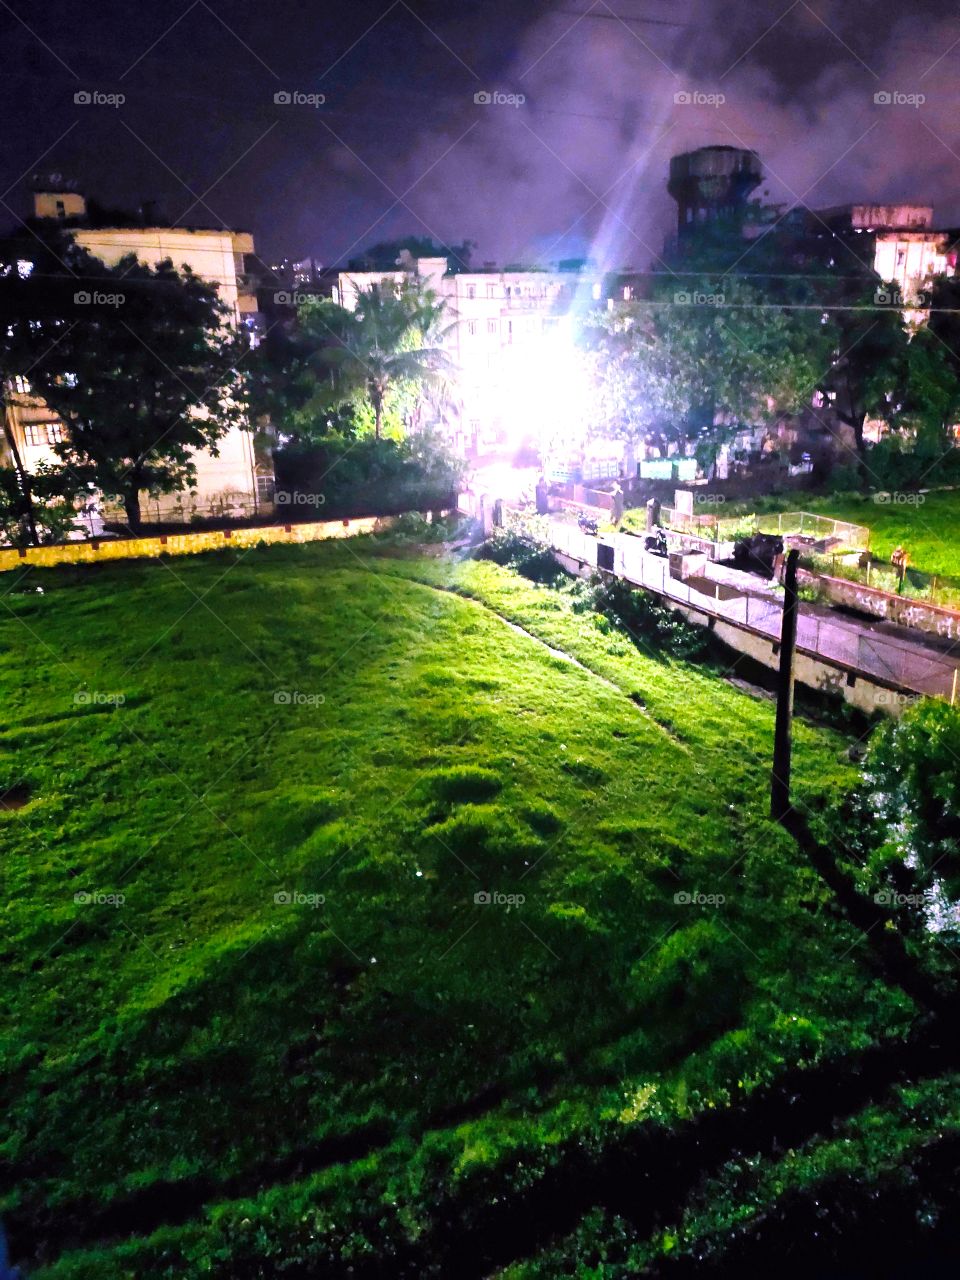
[(510, 338), (230, 483)]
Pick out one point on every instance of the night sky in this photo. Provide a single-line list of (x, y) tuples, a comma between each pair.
[(400, 146)]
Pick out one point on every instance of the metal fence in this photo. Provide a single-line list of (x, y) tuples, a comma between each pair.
[(907, 664)]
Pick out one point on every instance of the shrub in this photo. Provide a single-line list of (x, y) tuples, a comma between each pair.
[(645, 621), (516, 552), (347, 478)]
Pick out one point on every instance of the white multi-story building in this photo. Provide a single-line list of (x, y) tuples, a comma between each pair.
[(228, 483), (906, 249), (510, 338)]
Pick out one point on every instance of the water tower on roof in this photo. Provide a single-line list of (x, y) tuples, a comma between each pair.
[(712, 184)]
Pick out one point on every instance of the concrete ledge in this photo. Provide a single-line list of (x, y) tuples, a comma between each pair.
[(185, 544)]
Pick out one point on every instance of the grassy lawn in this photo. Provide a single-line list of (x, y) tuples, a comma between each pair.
[(928, 525), (256, 1017)]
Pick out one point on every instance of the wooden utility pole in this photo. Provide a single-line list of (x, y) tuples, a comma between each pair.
[(783, 732)]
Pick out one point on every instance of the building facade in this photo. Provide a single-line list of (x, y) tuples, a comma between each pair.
[(230, 483), (510, 337)]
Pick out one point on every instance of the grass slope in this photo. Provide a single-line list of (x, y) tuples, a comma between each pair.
[(359, 733)]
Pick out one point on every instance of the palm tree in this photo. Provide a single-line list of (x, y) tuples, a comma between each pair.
[(390, 340)]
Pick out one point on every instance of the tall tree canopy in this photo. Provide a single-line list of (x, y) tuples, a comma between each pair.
[(143, 375)]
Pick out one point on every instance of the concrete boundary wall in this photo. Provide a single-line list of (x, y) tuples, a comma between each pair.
[(935, 619), (184, 544)]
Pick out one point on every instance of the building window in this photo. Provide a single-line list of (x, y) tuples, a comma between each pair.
[(471, 290), (491, 326), (491, 290), (472, 328), (265, 488), (41, 433), (61, 209), (21, 385)]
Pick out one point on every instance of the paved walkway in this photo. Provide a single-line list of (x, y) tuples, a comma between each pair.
[(908, 659)]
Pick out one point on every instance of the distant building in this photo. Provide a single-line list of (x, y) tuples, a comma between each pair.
[(510, 339), (906, 249), (230, 483)]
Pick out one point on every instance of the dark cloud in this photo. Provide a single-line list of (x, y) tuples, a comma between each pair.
[(400, 144)]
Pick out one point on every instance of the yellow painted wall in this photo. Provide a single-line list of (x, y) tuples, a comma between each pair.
[(185, 544)]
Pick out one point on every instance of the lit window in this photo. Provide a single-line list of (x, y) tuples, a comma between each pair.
[(24, 267), (21, 385), (55, 433)]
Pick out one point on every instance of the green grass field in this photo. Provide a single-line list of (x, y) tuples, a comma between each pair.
[(257, 1021), (927, 525)]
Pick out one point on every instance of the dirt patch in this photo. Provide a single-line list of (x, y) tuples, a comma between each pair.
[(15, 797)]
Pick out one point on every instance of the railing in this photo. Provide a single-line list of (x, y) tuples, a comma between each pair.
[(892, 660)]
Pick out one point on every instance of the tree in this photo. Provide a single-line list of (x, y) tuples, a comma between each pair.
[(385, 254), (142, 377), (692, 363), (868, 363), (387, 345), (36, 289)]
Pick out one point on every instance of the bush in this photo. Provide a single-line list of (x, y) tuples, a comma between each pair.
[(349, 478), (647, 622), (516, 552)]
